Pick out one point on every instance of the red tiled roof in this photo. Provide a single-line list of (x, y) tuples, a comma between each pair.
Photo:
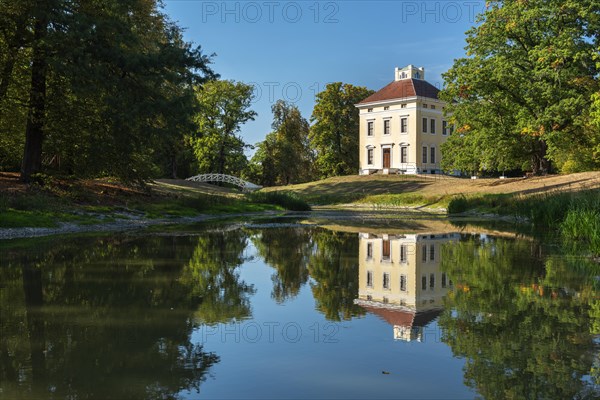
[(406, 319), (392, 317), (402, 89)]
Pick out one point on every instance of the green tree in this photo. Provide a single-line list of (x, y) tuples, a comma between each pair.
[(261, 168), (101, 84), (14, 79), (287, 250), (528, 76), (83, 317), (334, 268), (293, 161), (285, 156), (523, 321), (213, 273), (224, 108), (334, 134)]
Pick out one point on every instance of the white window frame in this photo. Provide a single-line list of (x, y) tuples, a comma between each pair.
[(404, 125), (387, 126), (370, 127), (401, 160), (386, 284), (369, 279), (403, 282), (403, 254)]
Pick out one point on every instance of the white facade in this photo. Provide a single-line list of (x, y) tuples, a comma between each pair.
[(400, 279), (402, 126)]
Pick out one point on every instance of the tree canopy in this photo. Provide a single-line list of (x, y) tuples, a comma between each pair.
[(284, 157), (286, 250), (81, 317), (94, 87), (334, 134), (224, 108), (525, 324), (521, 97)]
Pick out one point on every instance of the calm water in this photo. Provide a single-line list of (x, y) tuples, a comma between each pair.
[(297, 312)]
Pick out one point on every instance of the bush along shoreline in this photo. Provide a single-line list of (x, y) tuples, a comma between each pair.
[(575, 216)]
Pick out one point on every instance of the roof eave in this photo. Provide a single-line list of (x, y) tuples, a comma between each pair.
[(383, 102)]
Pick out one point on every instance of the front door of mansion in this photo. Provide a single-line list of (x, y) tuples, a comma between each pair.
[(386, 158)]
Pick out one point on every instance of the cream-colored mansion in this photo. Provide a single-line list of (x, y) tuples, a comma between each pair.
[(402, 126), (400, 280)]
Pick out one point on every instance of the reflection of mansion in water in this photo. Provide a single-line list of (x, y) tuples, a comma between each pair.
[(400, 280)]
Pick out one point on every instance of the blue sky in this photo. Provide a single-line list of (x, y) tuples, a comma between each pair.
[(291, 49)]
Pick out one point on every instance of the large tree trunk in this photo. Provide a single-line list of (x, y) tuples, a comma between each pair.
[(540, 165), (174, 166), (34, 132)]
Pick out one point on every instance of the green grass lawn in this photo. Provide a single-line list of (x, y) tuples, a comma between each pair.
[(43, 210), (406, 200), (43, 219)]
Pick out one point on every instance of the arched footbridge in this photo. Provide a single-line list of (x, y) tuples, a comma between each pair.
[(234, 180)]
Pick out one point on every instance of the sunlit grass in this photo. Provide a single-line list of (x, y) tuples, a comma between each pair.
[(576, 215), (40, 210), (285, 200), (405, 200)]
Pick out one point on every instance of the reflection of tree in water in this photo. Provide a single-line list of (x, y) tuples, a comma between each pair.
[(525, 326), (334, 267), (212, 274), (331, 258), (287, 250), (112, 318)]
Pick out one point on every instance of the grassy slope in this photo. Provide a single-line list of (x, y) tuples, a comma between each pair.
[(87, 202), (568, 204), (393, 190), (97, 201)]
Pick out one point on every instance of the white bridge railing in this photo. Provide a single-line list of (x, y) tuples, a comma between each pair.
[(246, 186)]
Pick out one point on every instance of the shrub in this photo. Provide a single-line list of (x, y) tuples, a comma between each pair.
[(582, 224), (287, 200), (458, 205)]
